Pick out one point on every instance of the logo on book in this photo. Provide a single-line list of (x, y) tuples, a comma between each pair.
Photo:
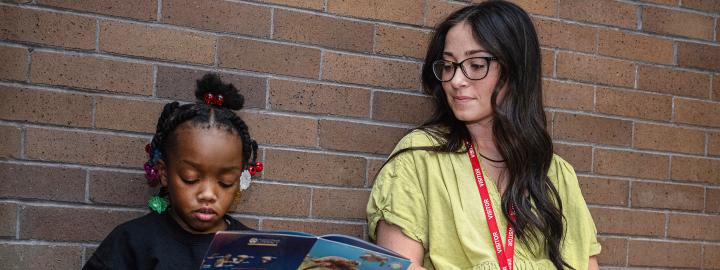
[(263, 242)]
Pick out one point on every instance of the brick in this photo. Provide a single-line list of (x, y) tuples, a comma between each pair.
[(45, 107), (269, 57), (600, 11), (119, 188), (594, 129), (667, 196), (357, 137), (698, 56), (662, 2), (542, 7), (157, 43), (703, 5), (579, 156), (44, 183), (393, 107), (143, 10), (59, 30), (302, 167), (10, 148), (339, 203), (695, 169), (633, 104), (668, 139), (696, 112), (594, 69), (624, 163), (438, 10), (716, 88), (319, 98), (712, 200), (566, 36), (15, 63), (72, 222), (374, 167), (694, 227), (664, 254), (85, 148), (548, 62), (310, 4), (565, 95), (316, 228), (372, 71), (91, 73), (604, 191), (271, 199), (711, 256), (666, 21), (631, 222), (8, 220), (403, 11), (37, 256), (635, 47), (296, 131), (220, 16), (675, 82), (614, 251), (402, 41), (714, 144), (129, 115), (179, 84), (323, 30)]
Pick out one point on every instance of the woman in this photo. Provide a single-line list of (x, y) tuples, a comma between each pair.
[(438, 203)]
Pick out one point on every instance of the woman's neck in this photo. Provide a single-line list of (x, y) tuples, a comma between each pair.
[(482, 136)]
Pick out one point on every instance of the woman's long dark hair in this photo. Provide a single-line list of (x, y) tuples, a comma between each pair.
[(506, 32)]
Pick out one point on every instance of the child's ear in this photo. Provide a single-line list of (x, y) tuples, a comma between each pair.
[(162, 172)]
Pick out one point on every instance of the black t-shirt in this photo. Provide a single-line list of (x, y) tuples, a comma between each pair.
[(154, 241)]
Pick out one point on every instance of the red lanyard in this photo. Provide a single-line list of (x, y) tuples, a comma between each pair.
[(505, 257)]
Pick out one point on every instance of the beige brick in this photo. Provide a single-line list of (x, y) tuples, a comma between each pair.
[(702, 5), (673, 22), (91, 73), (179, 84), (696, 112), (43, 183), (630, 222), (668, 139), (604, 191), (662, 2), (593, 129), (10, 148), (614, 251), (403, 11), (8, 223), (548, 62), (623, 163), (633, 104), (711, 256), (157, 43), (675, 82), (716, 88), (393, 107), (694, 227), (566, 36), (15, 63), (579, 156), (319, 98), (295, 131), (357, 137), (269, 57), (72, 222), (145, 10), (129, 115), (402, 41), (374, 167), (438, 10), (271, 199), (38, 256), (45, 107), (600, 11), (310, 4), (635, 47), (41, 27), (566, 95), (372, 71), (339, 203), (714, 144), (667, 196), (303, 167), (323, 30), (316, 228), (695, 169), (712, 200), (85, 148), (699, 56), (541, 7), (119, 188), (664, 254), (220, 16), (595, 69)]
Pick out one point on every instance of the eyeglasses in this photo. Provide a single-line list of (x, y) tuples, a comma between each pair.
[(475, 68)]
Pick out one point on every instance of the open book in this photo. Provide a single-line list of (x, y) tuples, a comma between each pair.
[(252, 250)]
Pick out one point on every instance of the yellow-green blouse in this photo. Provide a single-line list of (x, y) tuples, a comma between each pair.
[(433, 198)]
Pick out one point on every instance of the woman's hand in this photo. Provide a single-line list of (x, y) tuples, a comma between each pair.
[(391, 237)]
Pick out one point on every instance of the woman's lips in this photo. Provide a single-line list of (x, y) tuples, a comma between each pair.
[(204, 214), (462, 99)]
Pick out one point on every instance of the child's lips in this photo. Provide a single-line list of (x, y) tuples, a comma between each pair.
[(204, 214)]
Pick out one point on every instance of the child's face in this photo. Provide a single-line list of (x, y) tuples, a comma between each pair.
[(202, 175)]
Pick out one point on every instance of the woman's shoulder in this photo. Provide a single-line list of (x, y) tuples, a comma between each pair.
[(418, 138)]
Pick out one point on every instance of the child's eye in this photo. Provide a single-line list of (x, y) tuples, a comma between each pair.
[(226, 185), (189, 181)]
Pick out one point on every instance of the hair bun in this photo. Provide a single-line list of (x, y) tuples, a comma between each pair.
[(211, 83)]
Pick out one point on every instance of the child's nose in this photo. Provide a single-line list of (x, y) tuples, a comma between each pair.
[(208, 192)]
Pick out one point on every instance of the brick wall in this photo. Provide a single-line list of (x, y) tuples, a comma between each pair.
[(632, 88)]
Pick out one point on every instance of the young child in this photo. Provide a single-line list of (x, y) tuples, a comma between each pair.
[(202, 155)]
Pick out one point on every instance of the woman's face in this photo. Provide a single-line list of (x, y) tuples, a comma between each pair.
[(469, 99)]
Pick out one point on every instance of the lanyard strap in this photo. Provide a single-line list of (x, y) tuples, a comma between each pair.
[(504, 256)]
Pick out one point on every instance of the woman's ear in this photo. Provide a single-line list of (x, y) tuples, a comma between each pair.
[(161, 167)]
